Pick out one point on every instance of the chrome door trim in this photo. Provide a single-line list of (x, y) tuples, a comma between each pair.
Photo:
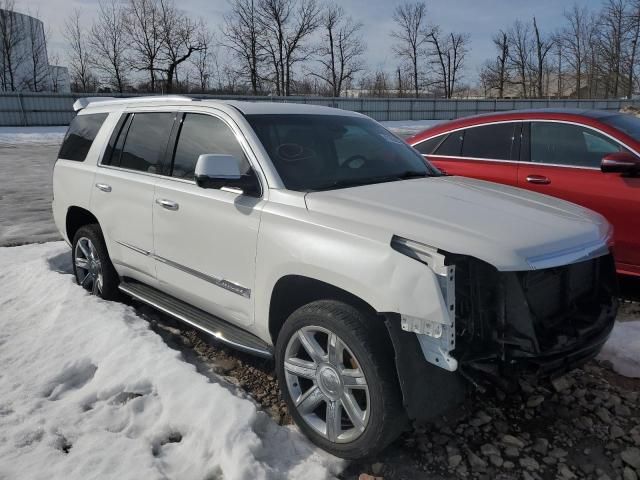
[(134, 248), (218, 282), (497, 122)]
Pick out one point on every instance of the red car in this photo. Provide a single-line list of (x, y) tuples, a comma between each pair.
[(591, 158)]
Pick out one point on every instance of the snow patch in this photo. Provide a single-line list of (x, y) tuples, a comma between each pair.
[(623, 348), (87, 390), (14, 136)]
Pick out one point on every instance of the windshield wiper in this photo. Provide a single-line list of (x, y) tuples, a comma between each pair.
[(355, 182)]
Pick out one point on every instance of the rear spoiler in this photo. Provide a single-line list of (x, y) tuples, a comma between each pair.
[(85, 101)]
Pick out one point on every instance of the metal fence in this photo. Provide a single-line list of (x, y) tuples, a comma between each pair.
[(43, 109)]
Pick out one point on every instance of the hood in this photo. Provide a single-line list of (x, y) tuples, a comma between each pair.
[(510, 228)]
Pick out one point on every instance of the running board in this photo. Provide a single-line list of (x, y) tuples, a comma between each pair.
[(221, 330)]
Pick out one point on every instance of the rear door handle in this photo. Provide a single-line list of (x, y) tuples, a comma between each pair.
[(168, 204), (104, 187), (539, 179)]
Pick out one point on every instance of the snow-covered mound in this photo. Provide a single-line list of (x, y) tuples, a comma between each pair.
[(87, 390)]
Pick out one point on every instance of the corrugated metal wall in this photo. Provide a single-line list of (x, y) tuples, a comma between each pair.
[(40, 109)]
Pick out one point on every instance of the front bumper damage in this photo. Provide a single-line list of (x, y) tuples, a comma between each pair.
[(509, 324)]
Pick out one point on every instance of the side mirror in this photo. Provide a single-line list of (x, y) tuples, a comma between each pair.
[(620, 162), (218, 171)]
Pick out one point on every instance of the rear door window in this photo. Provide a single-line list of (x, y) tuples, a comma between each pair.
[(496, 141), (202, 134), (145, 142), (80, 136)]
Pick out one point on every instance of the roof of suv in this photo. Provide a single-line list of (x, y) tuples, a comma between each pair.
[(245, 107)]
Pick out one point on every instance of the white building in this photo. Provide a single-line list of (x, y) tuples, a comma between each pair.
[(24, 63)]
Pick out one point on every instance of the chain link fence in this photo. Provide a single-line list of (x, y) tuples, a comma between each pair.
[(48, 109)]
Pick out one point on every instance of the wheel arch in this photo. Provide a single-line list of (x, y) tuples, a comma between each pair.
[(76, 218), (293, 291)]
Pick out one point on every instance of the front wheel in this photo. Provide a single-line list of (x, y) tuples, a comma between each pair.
[(91, 263), (336, 372)]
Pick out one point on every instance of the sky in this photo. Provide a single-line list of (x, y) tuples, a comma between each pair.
[(479, 18)]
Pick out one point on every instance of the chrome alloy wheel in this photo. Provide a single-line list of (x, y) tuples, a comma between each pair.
[(88, 266), (327, 384)]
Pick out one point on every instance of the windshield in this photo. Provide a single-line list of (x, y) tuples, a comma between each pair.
[(628, 124), (323, 152)]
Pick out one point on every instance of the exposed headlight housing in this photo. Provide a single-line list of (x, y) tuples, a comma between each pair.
[(437, 339)]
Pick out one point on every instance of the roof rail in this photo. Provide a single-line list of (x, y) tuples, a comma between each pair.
[(85, 101)]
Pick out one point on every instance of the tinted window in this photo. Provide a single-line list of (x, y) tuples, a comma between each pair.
[(113, 152), (80, 136), (566, 144), (321, 152), (202, 134), (490, 141), (146, 141), (452, 145), (628, 124), (428, 146)]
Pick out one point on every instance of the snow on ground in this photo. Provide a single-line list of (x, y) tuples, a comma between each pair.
[(12, 136), (623, 347), (87, 390)]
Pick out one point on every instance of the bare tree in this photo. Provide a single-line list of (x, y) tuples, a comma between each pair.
[(145, 38), (634, 33), (495, 74), (375, 84), (78, 56), (203, 60), (341, 50), (520, 53), (613, 30), (448, 52), (410, 36), (11, 36), (108, 42), (181, 38), (286, 25), (242, 31), (574, 38), (542, 47)]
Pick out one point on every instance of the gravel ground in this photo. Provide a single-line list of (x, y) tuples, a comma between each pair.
[(583, 425)]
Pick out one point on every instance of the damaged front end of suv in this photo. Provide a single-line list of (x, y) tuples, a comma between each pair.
[(503, 325)]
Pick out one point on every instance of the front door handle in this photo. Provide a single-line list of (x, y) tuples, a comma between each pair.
[(104, 187), (168, 204), (539, 179)]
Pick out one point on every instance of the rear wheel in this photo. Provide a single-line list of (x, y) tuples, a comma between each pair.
[(92, 266), (337, 376)]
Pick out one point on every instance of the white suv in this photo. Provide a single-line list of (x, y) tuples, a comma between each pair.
[(382, 288)]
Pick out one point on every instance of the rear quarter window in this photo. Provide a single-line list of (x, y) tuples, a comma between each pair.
[(426, 147), (80, 136)]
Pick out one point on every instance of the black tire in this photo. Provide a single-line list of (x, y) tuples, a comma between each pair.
[(369, 342), (110, 279)]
